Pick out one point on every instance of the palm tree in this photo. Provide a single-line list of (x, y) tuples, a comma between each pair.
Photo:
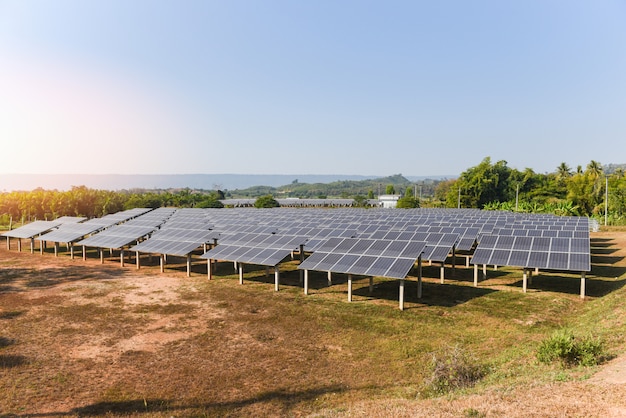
[(594, 169), (563, 171)]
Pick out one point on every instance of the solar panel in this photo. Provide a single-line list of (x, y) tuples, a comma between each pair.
[(32, 229), (355, 256), (554, 253)]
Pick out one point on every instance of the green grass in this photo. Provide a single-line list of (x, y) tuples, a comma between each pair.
[(253, 351)]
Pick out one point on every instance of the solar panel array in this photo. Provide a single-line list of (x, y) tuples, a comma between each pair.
[(552, 253), (69, 233), (369, 257), (180, 231), (32, 229), (260, 249)]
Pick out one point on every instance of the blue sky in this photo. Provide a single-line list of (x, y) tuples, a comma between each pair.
[(310, 87)]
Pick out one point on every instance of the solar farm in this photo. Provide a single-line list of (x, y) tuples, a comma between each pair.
[(294, 312), (369, 243)]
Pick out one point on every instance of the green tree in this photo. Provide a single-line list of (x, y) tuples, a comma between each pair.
[(408, 202), (563, 172), (390, 189), (482, 184), (266, 201)]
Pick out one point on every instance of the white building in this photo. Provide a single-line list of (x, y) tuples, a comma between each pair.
[(388, 200)]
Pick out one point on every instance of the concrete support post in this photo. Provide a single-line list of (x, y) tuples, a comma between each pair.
[(41, 245), (122, 257), (349, 288), (475, 275), (525, 280), (442, 272), (209, 269), (419, 277), (371, 288), (301, 260), (401, 295), (188, 265), (19, 245), (467, 259), (240, 273), (495, 267), (582, 284), (484, 271), (84, 253), (56, 249), (137, 261), (330, 278), (71, 251), (306, 282), (276, 278), (162, 262), (536, 271), (32, 245), (453, 260), (8, 243), (101, 251)]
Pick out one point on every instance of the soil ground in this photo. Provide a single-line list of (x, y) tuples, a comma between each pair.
[(78, 338)]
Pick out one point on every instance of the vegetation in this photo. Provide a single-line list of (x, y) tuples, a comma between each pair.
[(119, 335), (564, 347), (489, 185), (408, 201), (495, 186), (453, 369), (266, 201)]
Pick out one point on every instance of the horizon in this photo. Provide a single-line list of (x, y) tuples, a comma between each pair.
[(29, 182)]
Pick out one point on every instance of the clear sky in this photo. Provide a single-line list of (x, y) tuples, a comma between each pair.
[(310, 87)]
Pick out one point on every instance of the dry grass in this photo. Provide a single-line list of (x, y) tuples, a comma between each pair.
[(82, 339)]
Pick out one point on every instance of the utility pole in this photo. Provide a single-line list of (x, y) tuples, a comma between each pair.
[(606, 200), (459, 204), (516, 197)]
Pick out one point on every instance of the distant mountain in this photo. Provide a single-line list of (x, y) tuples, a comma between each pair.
[(10, 182)]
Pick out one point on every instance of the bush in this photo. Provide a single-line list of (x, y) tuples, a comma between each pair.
[(266, 201), (563, 346), (453, 369)]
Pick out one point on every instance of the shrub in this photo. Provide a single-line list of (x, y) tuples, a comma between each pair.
[(266, 201), (453, 369), (563, 346)]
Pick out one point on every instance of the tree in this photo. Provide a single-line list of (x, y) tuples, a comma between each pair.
[(563, 172), (390, 189), (408, 202), (594, 169), (360, 201), (482, 184), (266, 201)]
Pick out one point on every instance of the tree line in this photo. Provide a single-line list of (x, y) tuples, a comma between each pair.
[(40, 204), (565, 191), (488, 185)]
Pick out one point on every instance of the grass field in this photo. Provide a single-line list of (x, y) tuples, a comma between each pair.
[(78, 338)]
